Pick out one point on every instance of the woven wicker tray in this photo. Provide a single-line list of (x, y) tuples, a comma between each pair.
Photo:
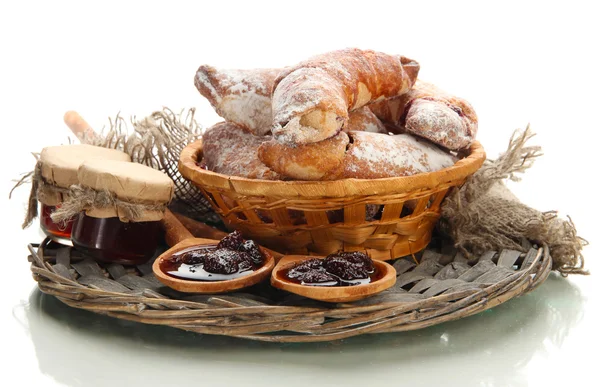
[(443, 287)]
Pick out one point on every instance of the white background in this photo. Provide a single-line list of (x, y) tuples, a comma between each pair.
[(517, 62)]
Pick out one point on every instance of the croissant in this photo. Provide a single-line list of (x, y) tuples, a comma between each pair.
[(375, 156), (305, 162), (364, 120), (361, 155), (430, 112), (311, 100), (230, 150), (244, 98), (239, 96)]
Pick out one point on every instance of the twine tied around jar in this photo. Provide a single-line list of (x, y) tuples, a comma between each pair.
[(84, 198)]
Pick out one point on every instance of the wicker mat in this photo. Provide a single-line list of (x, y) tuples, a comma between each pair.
[(444, 286)]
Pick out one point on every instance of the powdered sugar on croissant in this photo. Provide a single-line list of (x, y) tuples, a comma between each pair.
[(374, 156), (244, 98), (430, 112), (364, 120), (361, 155), (311, 100), (239, 96), (230, 150), (314, 161)]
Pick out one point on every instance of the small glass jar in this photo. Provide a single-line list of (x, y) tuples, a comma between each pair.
[(110, 240), (106, 232), (57, 168)]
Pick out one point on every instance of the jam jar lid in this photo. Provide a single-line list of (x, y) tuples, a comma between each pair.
[(58, 166), (130, 184)]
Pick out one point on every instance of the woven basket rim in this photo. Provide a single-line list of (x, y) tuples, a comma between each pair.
[(189, 168), (228, 315)]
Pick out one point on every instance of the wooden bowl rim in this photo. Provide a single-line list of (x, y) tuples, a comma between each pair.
[(189, 168), (331, 294), (191, 286)]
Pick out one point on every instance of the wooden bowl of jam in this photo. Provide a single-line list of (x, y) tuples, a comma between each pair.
[(341, 277), (210, 266)]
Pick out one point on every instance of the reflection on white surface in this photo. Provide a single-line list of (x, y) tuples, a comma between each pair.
[(74, 346)]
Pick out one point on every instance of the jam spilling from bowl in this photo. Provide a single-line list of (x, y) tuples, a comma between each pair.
[(339, 269), (233, 257)]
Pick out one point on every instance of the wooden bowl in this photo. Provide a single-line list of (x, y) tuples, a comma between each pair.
[(191, 286), (334, 293)]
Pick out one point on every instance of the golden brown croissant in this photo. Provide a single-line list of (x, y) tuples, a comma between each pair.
[(360, 155), (374, 156), (305, 162), (364, 120), (311, 100), (230, 150), (430, 112), (244, 98), (239, 96)]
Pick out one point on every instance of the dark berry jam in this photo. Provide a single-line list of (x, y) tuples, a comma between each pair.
[(110, 240), (231, 258), (339, 269), (232, 241)]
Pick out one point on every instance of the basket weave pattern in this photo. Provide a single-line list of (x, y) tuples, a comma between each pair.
[(386, 218), (443, 287)]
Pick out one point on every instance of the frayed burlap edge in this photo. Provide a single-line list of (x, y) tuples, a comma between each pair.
[(84, 198), (156, 141), (40, 189), (32, 206), (480, 217)]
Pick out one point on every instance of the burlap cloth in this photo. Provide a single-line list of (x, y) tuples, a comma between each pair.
[(155, 141), (484, 215)]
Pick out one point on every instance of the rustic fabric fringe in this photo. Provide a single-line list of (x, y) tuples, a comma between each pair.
[(157, 141), (25, 179), (84, 198), (32, 201), (483, 215), (28, 177), (39, 190)]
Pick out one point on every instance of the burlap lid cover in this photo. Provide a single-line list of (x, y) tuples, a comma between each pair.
[(59, 165), (128, 182)]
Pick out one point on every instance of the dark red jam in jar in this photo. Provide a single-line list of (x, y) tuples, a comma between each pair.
[(110, 240), (55, 173), (60, 231), (122, 222), (339, 269)]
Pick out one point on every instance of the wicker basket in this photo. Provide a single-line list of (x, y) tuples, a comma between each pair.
[(442, 287), (305, 217)]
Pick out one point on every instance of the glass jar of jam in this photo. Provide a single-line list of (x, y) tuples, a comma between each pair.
[(111, 240), (122, 223), (60, 232), (55, 173)]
